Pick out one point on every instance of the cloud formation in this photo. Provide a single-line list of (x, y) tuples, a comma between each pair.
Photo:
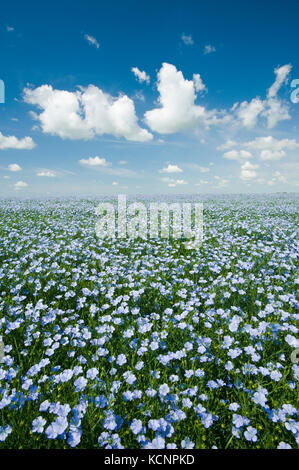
[(237, 155), (268, 148), (272, 108), (208, 49), (248, 172), (171, 169), (85, 114), (14, 167), (12, 142), (94, 162), (91, 40), (46, 173), (141, 75), (172, 183), (177, 111), (187, 39)]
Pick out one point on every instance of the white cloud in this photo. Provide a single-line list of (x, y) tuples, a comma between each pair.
[(272, 154), (268, 148), (270, 143), (277, 176), (237, 155), (208, 49), (122, 162), (12, 142), (281, 78), (275, 111), (187, 39), (46, 173), (85, 113), (92, 40), (248, 172), (140, 75), (198, 83), (248, 112), (14, 167), (222, 182), (20, 185), (272, 108), (94, 162), (172, 183), (171, 169), (177, 111), (227, 145)]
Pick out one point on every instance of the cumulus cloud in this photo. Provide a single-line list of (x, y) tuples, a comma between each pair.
[(227, 145), (12, 142), (172, 183), (94, 162), (237, 155), (208, 49), (187, 39), (14, 167), (248, 172), (177, 111), (20, 185), (268, 148), (248, 112), (278, 177), (272, 154), (85, 113), (92, 40), (272, 108), (140, 75), (171, 169), (269, 142), (198, 83), (222, 182), (281, 78), (276, 111), (46, 173)]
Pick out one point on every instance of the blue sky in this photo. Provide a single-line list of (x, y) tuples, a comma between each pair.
[(148, 97)]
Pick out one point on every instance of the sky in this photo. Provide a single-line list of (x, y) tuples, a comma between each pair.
[(139, 97)]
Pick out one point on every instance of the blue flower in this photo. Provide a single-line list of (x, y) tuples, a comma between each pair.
[(136, 426), (4, 432), (187, 444), (38, 425), (251, 434)]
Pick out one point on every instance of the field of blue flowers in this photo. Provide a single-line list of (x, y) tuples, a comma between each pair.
[(143, 343)]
